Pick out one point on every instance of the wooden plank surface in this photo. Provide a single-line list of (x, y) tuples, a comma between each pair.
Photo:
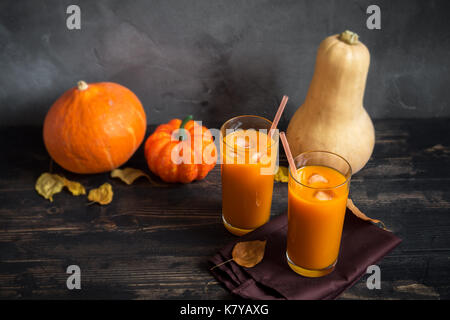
[(152, 242)]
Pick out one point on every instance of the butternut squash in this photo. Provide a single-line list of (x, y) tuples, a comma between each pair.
[(333, 118)]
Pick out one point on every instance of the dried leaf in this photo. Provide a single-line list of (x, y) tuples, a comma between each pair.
[(48, 185), (361, 215), (282, 174), (128, 175), (74, 187), (437, 148), (246, 253), (249, 253), (102, 195)]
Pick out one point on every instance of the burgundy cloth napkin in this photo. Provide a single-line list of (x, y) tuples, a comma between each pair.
[(362, 244)]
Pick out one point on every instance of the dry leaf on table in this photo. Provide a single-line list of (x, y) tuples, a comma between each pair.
[(102, 195), (282, 174), (49, 184), (361, 215), (247, 253), (74, 187), (128, 175)]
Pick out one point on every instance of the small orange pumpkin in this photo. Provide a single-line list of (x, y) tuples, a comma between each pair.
[(94, 128), (181, 151)]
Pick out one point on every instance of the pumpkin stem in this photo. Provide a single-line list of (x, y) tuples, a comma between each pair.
[(182, 134), (82, 85), (349, 37)]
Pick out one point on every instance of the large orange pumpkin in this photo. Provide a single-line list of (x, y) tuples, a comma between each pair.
[(94, 128), (181, 151)]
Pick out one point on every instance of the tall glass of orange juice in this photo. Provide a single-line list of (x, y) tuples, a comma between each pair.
[(317, 199), (249, 161)]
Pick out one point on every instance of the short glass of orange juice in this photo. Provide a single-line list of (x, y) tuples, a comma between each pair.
[(318, 190), (249, 161)]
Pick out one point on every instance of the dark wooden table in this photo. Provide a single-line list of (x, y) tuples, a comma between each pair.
[(153, 242)]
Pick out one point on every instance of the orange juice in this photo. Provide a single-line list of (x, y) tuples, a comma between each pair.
[(317, 200), (249, 157)]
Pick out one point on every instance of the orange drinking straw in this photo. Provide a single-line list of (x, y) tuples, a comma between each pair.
[(288, 154), (278, 115)]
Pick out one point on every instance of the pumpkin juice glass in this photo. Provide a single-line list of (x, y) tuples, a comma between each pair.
[(249, 161), (317, 200)]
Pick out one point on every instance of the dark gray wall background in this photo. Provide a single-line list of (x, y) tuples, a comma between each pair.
[(219, 58)]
